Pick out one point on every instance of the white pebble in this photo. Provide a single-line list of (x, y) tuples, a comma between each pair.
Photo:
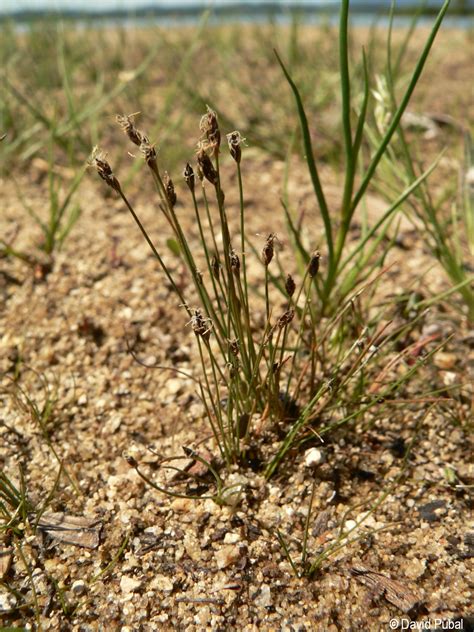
[(129, 584), (313, 457), (264, 597), (79, 587)]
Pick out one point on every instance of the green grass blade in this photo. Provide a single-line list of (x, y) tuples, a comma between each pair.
[(309, 156)]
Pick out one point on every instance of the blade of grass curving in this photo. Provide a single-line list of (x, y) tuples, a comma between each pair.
[(313, 170), (363, 111), (346, 106)]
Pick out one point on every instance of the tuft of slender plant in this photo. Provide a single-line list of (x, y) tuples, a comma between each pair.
[(15, 504), (287, 375), (334, 286)]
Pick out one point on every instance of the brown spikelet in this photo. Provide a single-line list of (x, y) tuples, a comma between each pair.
[(131, 460), (313, 265), (210, 128), (128, 126), (207, 167), (268, 250), (235, 140), (138, 138), (200, 325), (286, 318), (290, 285), (234, 262), (215, 267), (234, 347), (99, 161), (149, 153), (189, 176), (170, 192)]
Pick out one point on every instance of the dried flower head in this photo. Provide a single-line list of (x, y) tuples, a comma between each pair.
[(170, 192), (234, 262), (128, 126), (234, 347), (313, 265), (99, 161), (286, 318), (149, 153), (268, 250), (235, 140), (210, 129), (188, 174), (215, 267), (200, 325), (207, 167), (130, 460), (138, 138), (290, 285)]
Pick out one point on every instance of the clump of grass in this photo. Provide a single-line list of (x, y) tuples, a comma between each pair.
[(280, 381), (298, 374), (63, 213), (344, 269), (446, 215)]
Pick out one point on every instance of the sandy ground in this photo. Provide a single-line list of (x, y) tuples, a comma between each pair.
[(142, 560)]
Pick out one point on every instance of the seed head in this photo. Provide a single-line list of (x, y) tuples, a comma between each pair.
[(138, 138), (210, 129), (189, 176), (235, 140), (207, 167), (131, 460), (149, 153), (201, 326), (215, 267), (313, 265), (290, 285), (268, 250), (234, 347), (286, 318), (170, 192), (99, 161), (128, 126), (234, 262)]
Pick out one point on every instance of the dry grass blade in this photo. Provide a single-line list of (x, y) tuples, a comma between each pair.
[(6, 556), (393, 591), (76, 530)]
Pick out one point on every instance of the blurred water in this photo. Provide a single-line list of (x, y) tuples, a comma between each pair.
[(188, 11)]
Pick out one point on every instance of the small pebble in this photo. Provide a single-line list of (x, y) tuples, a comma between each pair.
[(174, 386), (79, 587), (129, 584), (227, 555), (444, 360), (7, 601), (313, 457), (264, 597)]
